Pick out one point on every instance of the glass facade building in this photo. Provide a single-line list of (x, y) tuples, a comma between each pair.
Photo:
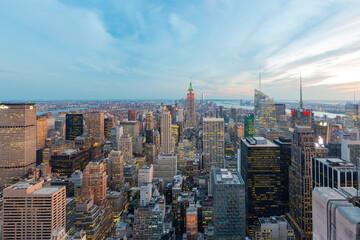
[(74, 125), (249, 125), (265, 113)]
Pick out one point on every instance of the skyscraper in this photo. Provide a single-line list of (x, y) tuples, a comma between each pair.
[(165, 135), (109, 123), (213, 142), (125, 146), (33, 211), (149, 121), (265, 115), (249, 125), (74, 125), (41, 131), (300, 186), (229, 204), (260, 169), (115, 170), (95, 128), (132, 115), (351, 115), (191, 222), (17, 141), (94, 176), (190, 108)]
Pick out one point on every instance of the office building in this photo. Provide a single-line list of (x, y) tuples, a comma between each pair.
[(249, 125), (165, 166), (95, 128), (149, 121), (17, 141), (125, 146), (285, 160), (180, 115), (321, 130), (33, 211), (336, 215), (213, 143), (190, 109), (191, 222), (166, 138), (334, 173), (41, 131), (301, 117), (142, 223), (145, 194), (300, 186), (94, 177), (264, 112), (68, 161), (115, 170), (109, 123), (260, 169), (229, 204), (74, 125), (272, 134), (76, 178), (132, 115), (131, 127), (273, 228), (145, 174), (351, 115), (350, 150)]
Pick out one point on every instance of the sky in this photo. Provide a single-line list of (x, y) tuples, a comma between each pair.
[(131, 49)]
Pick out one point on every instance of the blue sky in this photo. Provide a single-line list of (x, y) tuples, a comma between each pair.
[(129, 49)]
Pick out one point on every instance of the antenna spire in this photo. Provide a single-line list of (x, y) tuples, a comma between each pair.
[(259, 79), (301, 97)]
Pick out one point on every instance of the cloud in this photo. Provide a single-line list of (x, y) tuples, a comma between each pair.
[(184, 29)]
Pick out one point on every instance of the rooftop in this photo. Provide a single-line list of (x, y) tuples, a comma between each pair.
[(225, 176), (337, 163), (213, 119), (258, 142)]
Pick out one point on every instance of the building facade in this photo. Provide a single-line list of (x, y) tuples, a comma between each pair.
[(190, 109), (213, 143)]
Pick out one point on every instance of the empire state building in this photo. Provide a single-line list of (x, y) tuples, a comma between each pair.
[(190, 109)]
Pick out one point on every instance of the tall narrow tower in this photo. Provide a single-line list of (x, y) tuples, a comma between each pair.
[(190, 108)]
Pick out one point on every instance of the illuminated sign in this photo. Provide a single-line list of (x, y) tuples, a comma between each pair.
[(292, 112), (306, 113), (3, 107)]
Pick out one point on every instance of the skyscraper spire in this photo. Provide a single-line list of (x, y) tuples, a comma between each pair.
[(301, 99), (190, 85)]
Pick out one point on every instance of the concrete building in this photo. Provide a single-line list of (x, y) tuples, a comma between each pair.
[(33, 211), (191, 222), (165, 166), (94, 177), (145, 194), (165, 135), (149, 121), (273, 228), (145, 174), (77, 178), (95, 128), (335, 214), (132, 115), (115, 170), (190, 109), (228, 190), (350, 150), (41, 131), (142, 223), (213, 142), (17, 141), (126, 147)]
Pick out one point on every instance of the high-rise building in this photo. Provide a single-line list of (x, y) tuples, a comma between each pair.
[(125, 146), (149, 121), (285, 160), (191, 222), (228, 190), (142, 223), (166, 142), (41, 130), (95, 128), (94, 177), (68, 161), (190, 109), (165, 166), (249, 125), (300, 186), (260, 169), (334, 173), (265, 115), (351, 115), (146, 174), (132, 115), (33, 211), (336, 215), (180, 115), (115, 170), (321, 133), (213, 142), (74, 125), (109, 123), (274, 228), (301, 117), (350, 151), (233, 113), (17, 141)]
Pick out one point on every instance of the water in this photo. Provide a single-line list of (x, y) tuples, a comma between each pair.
[(235, 103), (60, 110)]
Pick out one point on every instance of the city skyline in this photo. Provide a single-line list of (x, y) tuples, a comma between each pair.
[(124, 50)]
